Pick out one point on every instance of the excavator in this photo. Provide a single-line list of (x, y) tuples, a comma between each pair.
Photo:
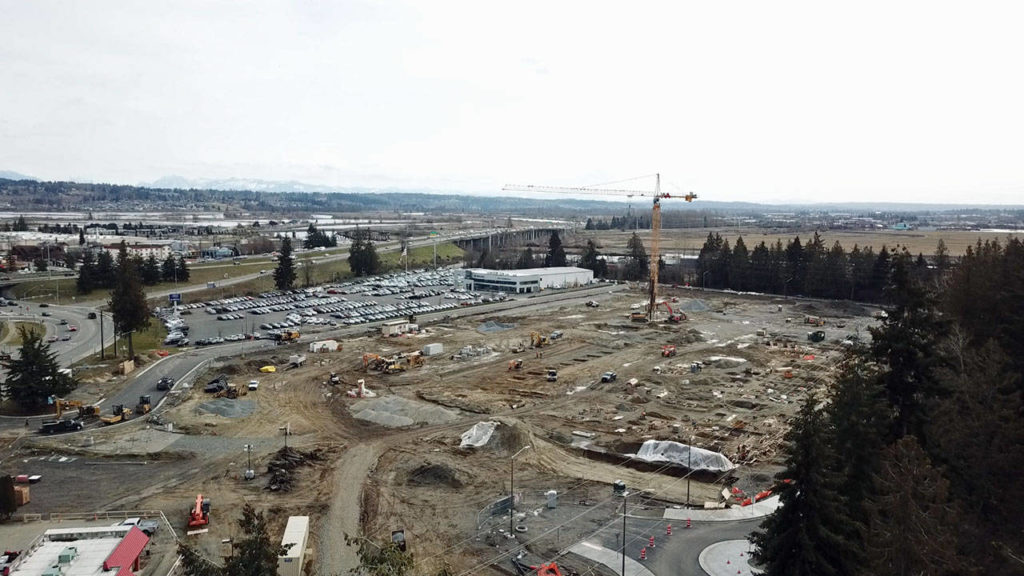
[(538, 340), (668, 350), (542, 570), (64, 405), (674, 316), (199, 515)]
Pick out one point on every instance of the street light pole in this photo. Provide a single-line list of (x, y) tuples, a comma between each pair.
[(511, 487), (625, 501)]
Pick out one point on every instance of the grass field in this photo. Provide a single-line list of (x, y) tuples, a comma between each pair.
[(691, 239)]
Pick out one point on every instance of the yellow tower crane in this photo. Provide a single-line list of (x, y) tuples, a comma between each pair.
[(657, 194)]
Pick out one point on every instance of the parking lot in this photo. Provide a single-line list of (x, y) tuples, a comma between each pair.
[(376, 299)]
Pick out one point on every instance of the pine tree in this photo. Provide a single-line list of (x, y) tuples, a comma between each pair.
[(526, 259), (591, 260), (105, 274), (809, 535), (182, 270), (912, 525), (739, 266), (168, 269), (86, 273), (836, 273), (556, 253), (81, 237), (284, 274), (150, 271), (760, 269), (35, 375), (255, 554), (127, 301), (637, 264), (796, 268), (905, 344)]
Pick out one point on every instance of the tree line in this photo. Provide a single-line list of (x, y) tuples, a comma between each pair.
[(100, 271), (810, 269), (912, 465)]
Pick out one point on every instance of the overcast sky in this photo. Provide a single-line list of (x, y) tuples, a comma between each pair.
[(758, 101)]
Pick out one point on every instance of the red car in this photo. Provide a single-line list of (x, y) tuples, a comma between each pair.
[(72, 328)]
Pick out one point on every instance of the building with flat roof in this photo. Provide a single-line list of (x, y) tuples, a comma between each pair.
[(525, 281), (92, 551), (296, 532)]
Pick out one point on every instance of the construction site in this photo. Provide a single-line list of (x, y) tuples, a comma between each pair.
[(416, 434)]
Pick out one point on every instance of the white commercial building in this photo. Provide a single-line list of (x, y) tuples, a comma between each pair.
[(526, 281)]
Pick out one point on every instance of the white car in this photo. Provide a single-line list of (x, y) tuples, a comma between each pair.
[(254, 384)]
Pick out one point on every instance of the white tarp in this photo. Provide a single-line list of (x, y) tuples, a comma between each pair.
[(478, 435), (683, 455)]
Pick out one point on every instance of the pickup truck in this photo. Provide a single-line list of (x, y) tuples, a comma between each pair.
[(58, 426), (149, 527)]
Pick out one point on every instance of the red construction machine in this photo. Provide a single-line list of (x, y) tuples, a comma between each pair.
[(199, 515)]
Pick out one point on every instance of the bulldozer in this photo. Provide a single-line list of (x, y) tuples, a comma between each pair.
[(538, 340), (668, 351), (516, 364), (393, 368), (118, 414), (144, 405), (414, 359), (231, 392)]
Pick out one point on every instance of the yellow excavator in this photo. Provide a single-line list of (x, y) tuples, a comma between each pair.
[(538, 340)]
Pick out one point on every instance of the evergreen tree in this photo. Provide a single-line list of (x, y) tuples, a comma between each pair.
[(127, 302), (838, 283), (879, 275), (905, 345), (182, 270), (637, 265), (796, 268), (362, 255), (81, 237), (739, 266), (40, 264), (86, 273), (105, 275), (20, 225), (942, 260), (809, 535), (35, 375), (912, 525), (817, 282), (526, 259), (255, 554), (150, 271), (859, 416), (284, 274), (760, 269), (168, 269), (591, 260), (556, 254)]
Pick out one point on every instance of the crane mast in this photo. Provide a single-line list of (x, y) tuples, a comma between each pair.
[(655, 256)]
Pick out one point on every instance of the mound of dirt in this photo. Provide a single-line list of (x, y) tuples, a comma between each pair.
[(434, 475), (508, 439)]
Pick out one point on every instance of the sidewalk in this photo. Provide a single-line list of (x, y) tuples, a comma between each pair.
[(727, 558), (756, 510), (609, 558)]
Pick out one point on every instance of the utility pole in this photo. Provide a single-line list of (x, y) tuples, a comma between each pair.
[(102, 356)]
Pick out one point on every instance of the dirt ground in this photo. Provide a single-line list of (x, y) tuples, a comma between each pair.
[(403, 446)]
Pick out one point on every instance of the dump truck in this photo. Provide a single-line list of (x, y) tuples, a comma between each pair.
[(118, 414), (59, 426)]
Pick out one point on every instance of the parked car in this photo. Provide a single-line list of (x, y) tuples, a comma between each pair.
[(91, 316), (148, 527), (609, 377), (165, 383)]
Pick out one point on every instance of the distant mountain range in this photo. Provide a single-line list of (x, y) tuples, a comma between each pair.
[(269, 195)]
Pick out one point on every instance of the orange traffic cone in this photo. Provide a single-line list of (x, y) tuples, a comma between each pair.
[(643, 553), (688, 523), (668, 530), (652, 542)]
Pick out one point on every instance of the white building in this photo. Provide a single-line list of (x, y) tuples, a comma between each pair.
[(524, 281)]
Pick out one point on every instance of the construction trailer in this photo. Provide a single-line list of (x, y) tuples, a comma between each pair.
[(296, 534), (324, 346), (394, 328)]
